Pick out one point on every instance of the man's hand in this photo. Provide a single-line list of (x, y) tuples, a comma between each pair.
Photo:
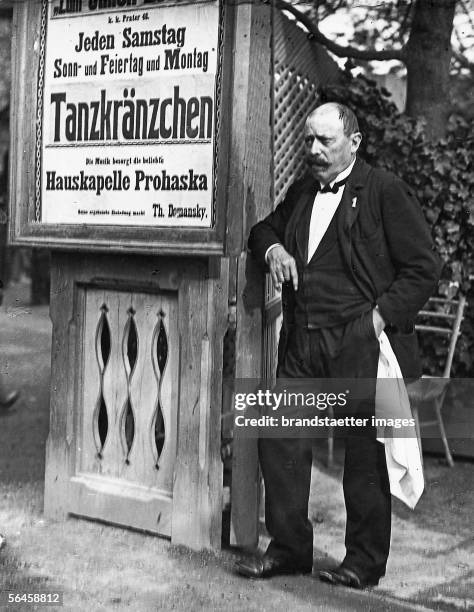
[(378, 321), (282, 267)]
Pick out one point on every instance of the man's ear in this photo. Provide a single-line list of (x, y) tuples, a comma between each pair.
[(356, 139)]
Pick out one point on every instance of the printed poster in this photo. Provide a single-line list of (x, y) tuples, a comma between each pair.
[(129, 107)]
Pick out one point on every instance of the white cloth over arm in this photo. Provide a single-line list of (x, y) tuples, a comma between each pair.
[(403, 458)]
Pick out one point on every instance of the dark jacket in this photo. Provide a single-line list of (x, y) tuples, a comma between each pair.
[(386, 245)]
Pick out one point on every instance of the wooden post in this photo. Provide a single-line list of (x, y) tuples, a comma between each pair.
[(197, 495), (59, 448), (250, 187)]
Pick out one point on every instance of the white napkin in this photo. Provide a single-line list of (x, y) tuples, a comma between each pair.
[(403, 458)]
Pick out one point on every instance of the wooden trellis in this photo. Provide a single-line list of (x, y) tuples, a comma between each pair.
[(300, 66)]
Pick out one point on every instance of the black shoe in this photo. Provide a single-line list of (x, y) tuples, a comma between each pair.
[(8, 402), (343, 576), (267, 566)]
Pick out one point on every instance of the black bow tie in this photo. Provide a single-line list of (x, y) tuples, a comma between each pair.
[(334, 189)]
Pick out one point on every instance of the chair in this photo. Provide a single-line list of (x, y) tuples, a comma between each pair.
[(439, 317)]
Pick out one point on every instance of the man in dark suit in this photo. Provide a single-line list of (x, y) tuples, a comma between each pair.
[(353, 253)]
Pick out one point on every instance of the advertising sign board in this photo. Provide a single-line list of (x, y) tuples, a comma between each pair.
[(127, 123)]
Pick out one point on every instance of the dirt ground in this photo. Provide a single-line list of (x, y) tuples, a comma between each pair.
[(102, 567)]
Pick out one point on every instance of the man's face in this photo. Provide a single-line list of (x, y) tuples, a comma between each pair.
[(328, 150)]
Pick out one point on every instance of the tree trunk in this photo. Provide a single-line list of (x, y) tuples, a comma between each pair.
[(427, 58)]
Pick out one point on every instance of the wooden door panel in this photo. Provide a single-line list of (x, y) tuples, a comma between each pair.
[(128, 431)]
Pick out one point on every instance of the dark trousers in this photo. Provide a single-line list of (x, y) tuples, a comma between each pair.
[(347, 351)]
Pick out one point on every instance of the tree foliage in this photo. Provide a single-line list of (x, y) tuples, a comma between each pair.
[(383, 26), (417, 33), (440, 173)]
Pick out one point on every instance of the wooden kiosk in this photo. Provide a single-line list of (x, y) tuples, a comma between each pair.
[(141, 154)]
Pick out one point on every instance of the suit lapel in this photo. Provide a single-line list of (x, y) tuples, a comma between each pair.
[(350, 206), (296, 232), (302, 228)]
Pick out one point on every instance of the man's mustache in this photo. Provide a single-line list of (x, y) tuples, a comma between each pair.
[(322, 163)]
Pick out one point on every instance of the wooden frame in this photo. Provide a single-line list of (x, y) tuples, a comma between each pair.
[(26, 231), (211, 272)]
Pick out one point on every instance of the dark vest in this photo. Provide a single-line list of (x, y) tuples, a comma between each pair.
[(327, 294)]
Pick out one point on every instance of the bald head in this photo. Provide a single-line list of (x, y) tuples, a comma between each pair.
[(332, 139), (344, 114)]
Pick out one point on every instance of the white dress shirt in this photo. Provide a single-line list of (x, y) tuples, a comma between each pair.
[(324, 208)]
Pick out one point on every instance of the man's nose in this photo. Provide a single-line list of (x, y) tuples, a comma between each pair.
[(315, 148)]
